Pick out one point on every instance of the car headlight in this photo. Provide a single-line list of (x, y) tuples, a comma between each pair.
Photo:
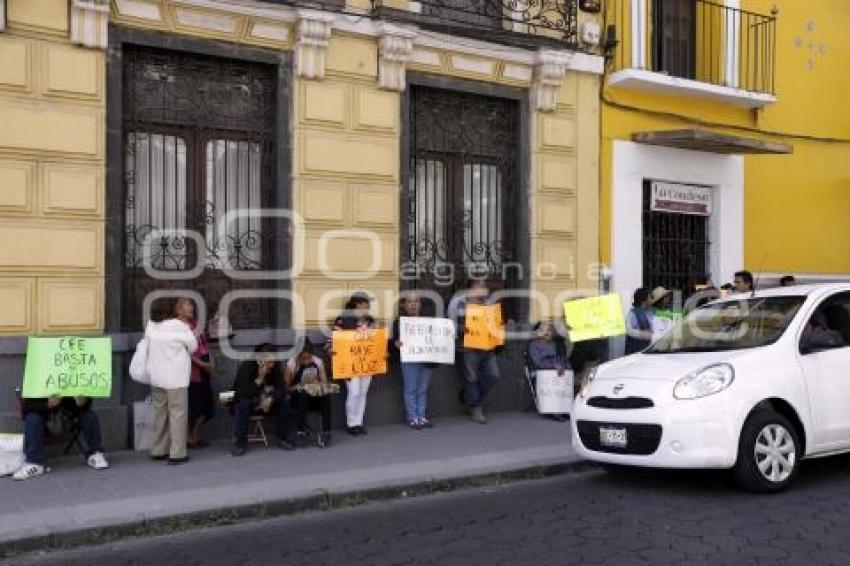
[(585, 384), (707, 381)]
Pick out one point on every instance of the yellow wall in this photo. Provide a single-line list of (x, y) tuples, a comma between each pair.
[(346, 170), (795, 209), (51, 174)]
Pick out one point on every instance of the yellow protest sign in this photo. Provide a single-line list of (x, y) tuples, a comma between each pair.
[(484, 328), (359, 352), (594, 317)]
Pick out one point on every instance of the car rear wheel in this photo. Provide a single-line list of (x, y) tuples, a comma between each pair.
[(768, 453)]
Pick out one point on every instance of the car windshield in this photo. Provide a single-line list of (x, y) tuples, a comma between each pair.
[(730, 325)]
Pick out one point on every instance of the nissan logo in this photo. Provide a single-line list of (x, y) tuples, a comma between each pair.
[(618, 388)]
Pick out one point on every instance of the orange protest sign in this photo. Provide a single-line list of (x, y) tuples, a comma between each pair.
[(484, 328), (359, 352)]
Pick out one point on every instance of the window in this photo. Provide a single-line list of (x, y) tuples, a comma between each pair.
[(461, 198), (199, 154), (675, 245), (674, 37), (829, 325)]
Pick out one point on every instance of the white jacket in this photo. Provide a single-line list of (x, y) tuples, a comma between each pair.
[(170, 344)]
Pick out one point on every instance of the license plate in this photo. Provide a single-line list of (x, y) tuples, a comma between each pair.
[(612, 437)]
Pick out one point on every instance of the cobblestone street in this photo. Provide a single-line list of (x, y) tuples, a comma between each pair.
[(628, 517)]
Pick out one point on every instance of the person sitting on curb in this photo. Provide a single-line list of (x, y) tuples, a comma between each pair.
[(259, 389), (36, 413)]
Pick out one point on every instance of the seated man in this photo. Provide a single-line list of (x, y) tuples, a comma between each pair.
[(307, 384), (36, 413), (259, 389), (817, 335)]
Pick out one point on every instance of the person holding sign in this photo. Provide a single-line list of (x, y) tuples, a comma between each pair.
[(301, 374), (355, 316), (37, 413), (416, 375), (480, 332), (548, 352), (639, 322), (170, 344)]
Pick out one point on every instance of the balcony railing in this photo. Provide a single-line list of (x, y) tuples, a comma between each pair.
[(700, 40), (507, 21)]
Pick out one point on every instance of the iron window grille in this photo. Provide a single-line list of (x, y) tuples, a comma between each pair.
[(460, 202), (198, 144)]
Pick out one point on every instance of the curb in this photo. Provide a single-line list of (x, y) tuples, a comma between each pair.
[(257, 511)]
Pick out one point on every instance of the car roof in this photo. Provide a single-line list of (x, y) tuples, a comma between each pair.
[(793, 291)]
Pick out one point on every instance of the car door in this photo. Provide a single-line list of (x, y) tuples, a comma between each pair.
[(827, 375)]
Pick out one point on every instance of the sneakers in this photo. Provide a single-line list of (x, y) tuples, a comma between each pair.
[(97, 461), (28, 471), (477, 415), (415, 425), (426, 423), (238, 450)]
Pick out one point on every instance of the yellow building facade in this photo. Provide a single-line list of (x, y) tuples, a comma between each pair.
[(739, 103), (271, 159)]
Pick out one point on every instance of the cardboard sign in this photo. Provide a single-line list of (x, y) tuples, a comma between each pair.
[(554, 392), (68, 367), (663, 321), (426, 339), (358, 353), (484, 329), (594, 317)]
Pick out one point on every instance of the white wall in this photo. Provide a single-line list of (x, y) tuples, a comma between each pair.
[(634, 162)]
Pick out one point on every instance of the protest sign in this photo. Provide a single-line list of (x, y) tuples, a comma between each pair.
[(554, 392), (664, 320), (594, 317), (359, 352), (426, 339), (484, 328), (68, 367)]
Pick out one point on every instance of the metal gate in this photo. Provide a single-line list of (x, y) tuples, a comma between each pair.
[(198, 136), (460, 206), (675, 247)]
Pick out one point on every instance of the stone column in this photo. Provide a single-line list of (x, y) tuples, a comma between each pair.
[(395, 50), (549, 72), (314, 34), (89, 21)]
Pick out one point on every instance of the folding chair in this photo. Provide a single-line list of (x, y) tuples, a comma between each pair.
[(70, 425), (529, 377), (258, 430)]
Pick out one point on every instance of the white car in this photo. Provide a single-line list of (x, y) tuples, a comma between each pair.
[(753, 382)]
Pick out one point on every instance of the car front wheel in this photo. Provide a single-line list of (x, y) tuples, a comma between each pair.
[(768, 453)]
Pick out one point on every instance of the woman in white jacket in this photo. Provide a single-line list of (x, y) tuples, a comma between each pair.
[(170, 344)]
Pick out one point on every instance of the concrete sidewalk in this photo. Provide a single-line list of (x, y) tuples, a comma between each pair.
[(73, 504)]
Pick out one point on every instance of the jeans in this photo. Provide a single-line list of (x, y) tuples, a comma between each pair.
[(479, 373), (417, 377), (305, 403), (35, 428), (244, 408)]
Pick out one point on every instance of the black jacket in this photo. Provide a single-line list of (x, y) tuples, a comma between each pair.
[(245, 386)]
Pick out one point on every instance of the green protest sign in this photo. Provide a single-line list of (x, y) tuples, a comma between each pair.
[(68, 366)]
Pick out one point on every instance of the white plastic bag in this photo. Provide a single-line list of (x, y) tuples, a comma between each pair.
[(554, 392), (139, 364), (11, 453), (143, 416)]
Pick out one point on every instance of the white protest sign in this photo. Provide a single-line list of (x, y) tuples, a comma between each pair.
[(425, 339), (554, 392)]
